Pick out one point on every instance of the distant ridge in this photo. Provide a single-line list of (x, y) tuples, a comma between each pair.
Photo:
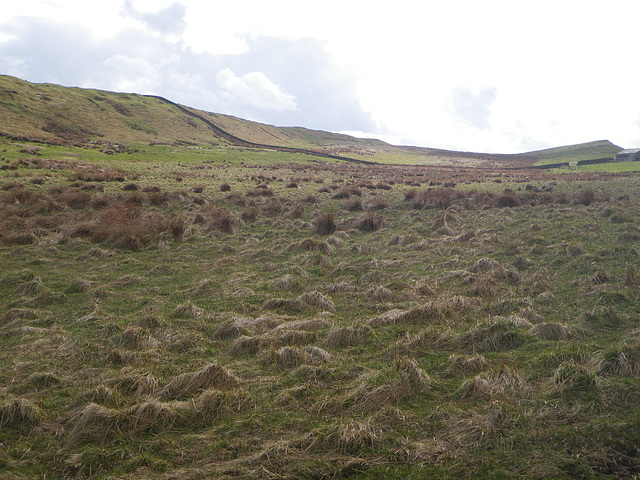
[(76, 116)]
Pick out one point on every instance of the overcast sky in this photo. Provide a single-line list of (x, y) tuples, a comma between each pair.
[(492, 76)]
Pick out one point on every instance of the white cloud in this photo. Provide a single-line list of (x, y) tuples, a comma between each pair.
[(128, 74), (473, 108), (255, 89), (562, 70)]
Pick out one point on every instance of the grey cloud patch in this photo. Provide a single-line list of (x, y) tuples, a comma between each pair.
[(169, 20), (474, 108), (277, 81), (324, 97)]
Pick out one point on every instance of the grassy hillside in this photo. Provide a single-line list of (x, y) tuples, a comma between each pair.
[(223, 312), (74, 116), (575, 153)]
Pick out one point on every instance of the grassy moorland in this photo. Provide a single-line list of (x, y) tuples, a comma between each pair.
[(217, 312)]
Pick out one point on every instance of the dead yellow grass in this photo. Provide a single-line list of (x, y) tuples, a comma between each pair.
[(212, 375)]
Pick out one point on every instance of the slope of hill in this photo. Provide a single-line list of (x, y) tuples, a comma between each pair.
[(69, 115), (576, 153)]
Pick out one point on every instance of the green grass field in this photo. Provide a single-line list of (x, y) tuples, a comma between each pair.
[(226, 313)]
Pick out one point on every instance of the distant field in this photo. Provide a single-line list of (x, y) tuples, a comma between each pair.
[(607, 167), (182, 311), (576, 153)]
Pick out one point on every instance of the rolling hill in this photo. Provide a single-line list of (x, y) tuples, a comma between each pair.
[(68, 115)]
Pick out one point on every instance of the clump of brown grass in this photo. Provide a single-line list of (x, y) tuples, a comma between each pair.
[(586, 197), (212, 404), (623, 361), (134, 338), (288, 357), (93, 422), (390, 317), (477, 387), (29, 288), (151, 415), (288, 283), (379, 294), (227, 330), (317, 355), (430, 338), (188, 310), (311, 245), (411, 371), (340, 337), (572, 378), (325, 225), (212, 375), (378, 203), (246, 344), (17, 314), (483, 265), (485, 385), (369, 222), (466, 364), (353, 205), (221, 220), (137, 384), (421, 314), (493, 336), (456, 304), (291, 306), (551, 331), (20, 412), (356, 437), (507, 200), (316, 299)]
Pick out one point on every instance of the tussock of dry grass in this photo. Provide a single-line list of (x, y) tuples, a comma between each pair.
[(288, 283), (137, 384), (389, 317), (623, 361), (134, 338), (408, 380), (93, 423), (188, 310), (350, 437), (246, 344), (484, 265), (151, 415), (491, 337), (430, 338), (466, 364), (340, 337), (573, 378), (18, 314), (325, 225), (551, 331), (317, 300), (456, 304), (379, 294), (412, 372), (228, 330), (311, 245), (20, 412), (290, 306), (288, 357), (190, 384), (29, 288)]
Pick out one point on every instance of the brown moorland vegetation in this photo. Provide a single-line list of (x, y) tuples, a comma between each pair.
[(370, 321)]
